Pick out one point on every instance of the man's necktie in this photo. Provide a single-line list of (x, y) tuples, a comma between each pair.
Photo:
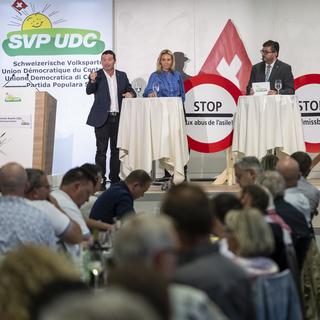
[(268, 72)]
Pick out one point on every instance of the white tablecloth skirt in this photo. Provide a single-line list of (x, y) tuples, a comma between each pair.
[(267, 122), (153, 129)]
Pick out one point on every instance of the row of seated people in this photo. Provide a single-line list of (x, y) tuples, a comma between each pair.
[(254, 244)]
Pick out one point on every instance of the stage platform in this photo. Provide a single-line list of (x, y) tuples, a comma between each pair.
[(155, 193)]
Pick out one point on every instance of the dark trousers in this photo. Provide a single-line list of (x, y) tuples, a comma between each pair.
[(109, 131)]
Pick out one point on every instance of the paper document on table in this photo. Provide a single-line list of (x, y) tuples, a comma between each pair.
[(261, 88)]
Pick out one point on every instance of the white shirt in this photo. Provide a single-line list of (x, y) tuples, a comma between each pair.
[(59, 220), (72, 210), (87, 206), (299, 201), (113, 90)]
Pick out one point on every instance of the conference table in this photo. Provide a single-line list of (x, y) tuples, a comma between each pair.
[(153, 129), (264, 123)]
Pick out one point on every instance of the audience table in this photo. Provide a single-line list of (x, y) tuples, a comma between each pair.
[(267, 122), (153, 129)]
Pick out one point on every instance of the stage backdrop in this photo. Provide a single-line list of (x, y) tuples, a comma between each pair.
[(193, 28), (53, 45)]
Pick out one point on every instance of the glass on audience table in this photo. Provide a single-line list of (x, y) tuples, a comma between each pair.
[(105, 239)]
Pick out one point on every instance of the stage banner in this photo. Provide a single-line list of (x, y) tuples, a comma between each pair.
[(212, 95), (52, 46), (308, 92)]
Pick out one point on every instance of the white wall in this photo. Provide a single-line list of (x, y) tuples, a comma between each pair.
[(144, 27)]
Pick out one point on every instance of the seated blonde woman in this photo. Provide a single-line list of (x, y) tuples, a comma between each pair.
[(250, 239)]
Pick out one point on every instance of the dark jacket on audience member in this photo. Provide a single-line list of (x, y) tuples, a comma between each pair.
[(113, 203), (203, 267), (301, 234)]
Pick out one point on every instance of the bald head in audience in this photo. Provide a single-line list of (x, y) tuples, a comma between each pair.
[(13, 180), (289, 169)]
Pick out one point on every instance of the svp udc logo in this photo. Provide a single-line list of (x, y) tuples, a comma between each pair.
[(38, 36)]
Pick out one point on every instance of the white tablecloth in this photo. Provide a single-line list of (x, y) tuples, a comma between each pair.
[(153, 129), (267, 122)]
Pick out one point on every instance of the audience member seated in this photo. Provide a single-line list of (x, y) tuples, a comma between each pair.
[(289, 169), (269, 162), (251, 240), (97, 173), (20, 223), (76, 187), (24, 272), (247, 170), (220, 206), (200, 263), (39, 193), (117, 201), (300, 232), (304, 186), (112, 304), (143, 280), (253, 196), (152, 241)]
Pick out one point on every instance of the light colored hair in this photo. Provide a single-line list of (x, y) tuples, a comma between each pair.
[(249, 163), (141, 237), (166, 51), (274, 182), (24, 272), (251, 232), (113, 304)]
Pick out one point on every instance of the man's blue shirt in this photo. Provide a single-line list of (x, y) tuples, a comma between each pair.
[(113, 203)]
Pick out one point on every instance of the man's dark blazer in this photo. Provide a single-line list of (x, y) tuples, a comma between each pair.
[(99, 112), (280, 70)]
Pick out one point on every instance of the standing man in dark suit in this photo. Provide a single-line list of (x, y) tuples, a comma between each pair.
[(109, 86), (272, 69)]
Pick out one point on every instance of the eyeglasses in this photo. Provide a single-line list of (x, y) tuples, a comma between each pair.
[(265, 51)]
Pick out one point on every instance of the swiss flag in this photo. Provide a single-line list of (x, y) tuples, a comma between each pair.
[(228, 58), (19, 5)]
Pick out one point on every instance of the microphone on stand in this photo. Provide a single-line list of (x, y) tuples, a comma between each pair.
[(11, 78), (32, 84)]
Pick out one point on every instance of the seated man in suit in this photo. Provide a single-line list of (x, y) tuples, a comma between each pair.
[(272, 69)]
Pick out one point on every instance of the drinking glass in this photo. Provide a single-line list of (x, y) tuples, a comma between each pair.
[(155, 88), (278, 85), (138, 88)]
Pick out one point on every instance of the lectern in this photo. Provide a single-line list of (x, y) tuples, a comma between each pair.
[(27, 127)]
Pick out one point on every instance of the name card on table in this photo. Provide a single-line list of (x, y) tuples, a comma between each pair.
[(261, 88)]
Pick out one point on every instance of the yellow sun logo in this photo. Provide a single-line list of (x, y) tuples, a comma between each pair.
[(35, 19)]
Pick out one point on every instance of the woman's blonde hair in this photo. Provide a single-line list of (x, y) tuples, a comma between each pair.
[(24, 272), (166, 51), (251, 232)]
